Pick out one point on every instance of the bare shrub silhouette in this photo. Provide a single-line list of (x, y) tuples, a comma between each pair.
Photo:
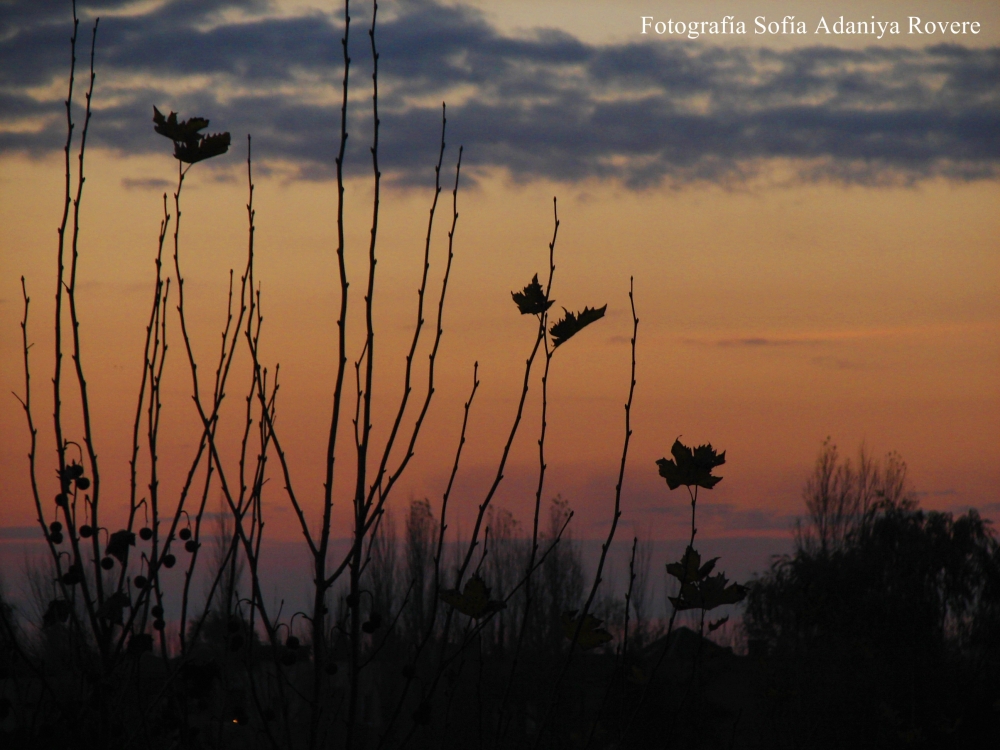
[(841, 497), (496, 639), (419, 557)]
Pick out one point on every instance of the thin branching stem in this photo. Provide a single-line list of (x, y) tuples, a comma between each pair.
[(622, 663), (474, 541), (539, 338), (88, 433), (611, 532), (533, 550), (361, 479), (693, 493), (32, 430), (69, 289), (147, 367), (338, 392), (418, 327)]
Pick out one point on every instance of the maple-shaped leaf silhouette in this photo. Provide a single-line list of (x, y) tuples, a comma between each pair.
[(689, 568), (118, 545), (190, 146), (709, 593), (474, 600), (686, 569), (717, 590), (705, 569), (531, 300), (691, 468), (191, 152), (572, 323), (591, 635), (185, 130)]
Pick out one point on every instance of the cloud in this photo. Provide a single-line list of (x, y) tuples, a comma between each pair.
[(146, 183), (727, 517), (540, 105), (755, 342), (760, 342), (20, 533)]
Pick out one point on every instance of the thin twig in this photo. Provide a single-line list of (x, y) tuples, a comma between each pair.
[(611, 532)]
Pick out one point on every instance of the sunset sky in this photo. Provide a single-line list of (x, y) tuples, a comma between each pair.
[(811, 222)]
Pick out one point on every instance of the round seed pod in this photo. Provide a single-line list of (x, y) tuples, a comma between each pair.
[(184, 534), (55, 527), (83, 483), (145, 533), (169, 561), (72, 576), (62, 500), (157, 611), (141, 581), (86, 531), (56, 537), (159, 624), (108, 563), (191, 545)]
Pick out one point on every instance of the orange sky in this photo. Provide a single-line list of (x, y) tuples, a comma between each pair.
[(773, 313)]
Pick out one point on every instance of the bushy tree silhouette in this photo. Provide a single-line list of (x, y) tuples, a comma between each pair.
[(895, 626)]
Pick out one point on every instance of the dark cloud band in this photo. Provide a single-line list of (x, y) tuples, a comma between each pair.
[(540, 106)]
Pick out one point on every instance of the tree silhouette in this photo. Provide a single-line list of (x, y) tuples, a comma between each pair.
[(887, 615)]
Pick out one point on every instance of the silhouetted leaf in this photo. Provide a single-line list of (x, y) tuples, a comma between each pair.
[(185, 130), (71, 472), (190, 146), (687, 568), (474, 600), (572, 323), (591, 635), (206, 147), (118, 545), (112, 608), (691, 468), (532, 299), (57, 611), (707, 568), (710, 593)]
